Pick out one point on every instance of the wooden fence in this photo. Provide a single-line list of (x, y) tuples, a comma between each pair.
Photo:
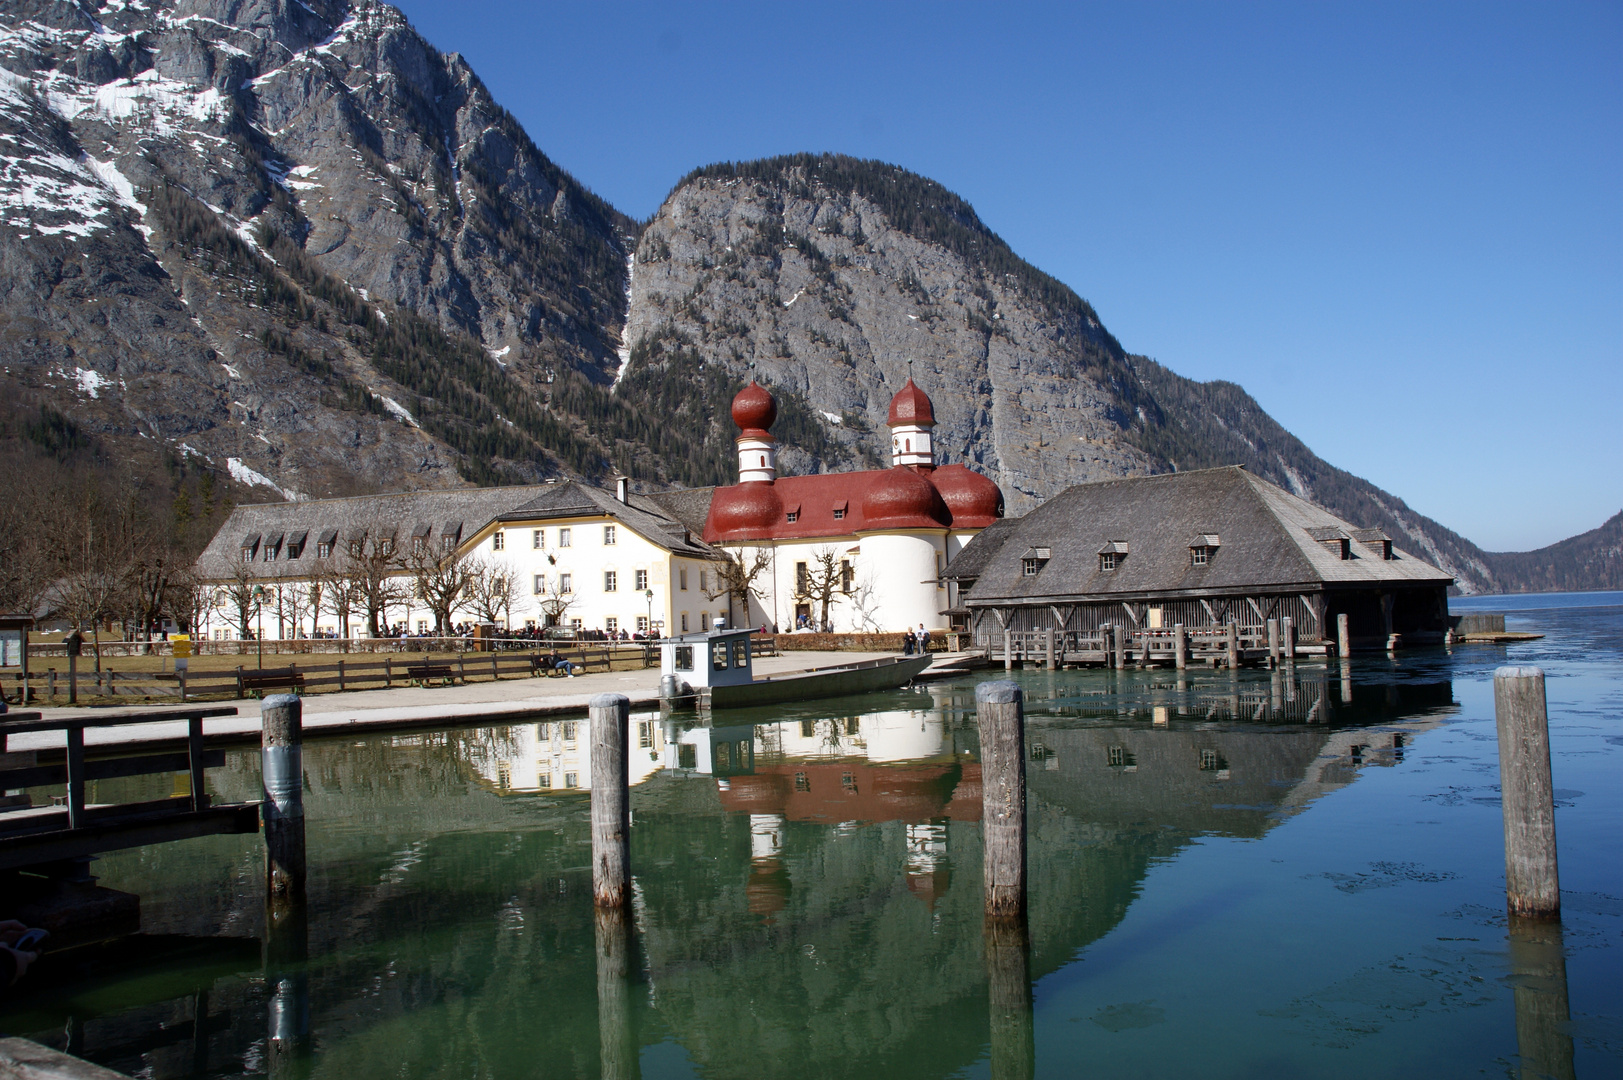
[(369, 673), (1139, 646)]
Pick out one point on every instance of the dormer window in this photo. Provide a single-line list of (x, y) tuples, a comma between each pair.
[(839, 515), (1203, 549), (1378, 543), (1032, 562), (250, 547), (792, 516), (1111, 555), (295, 544), (324, 550), (1108, 560), (1337, 542)]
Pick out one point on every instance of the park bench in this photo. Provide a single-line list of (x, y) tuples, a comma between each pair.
[(427, 670), (258, 681)]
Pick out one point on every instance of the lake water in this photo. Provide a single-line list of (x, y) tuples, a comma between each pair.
[(1280, 874)]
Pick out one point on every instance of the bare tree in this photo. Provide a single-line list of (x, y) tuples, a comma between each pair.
[(442, 579), (493, 589), (241, 594), (865, 606), (555, 602), (827, 578), (735, 577), (336, 594), (298, 599), (374, 568)]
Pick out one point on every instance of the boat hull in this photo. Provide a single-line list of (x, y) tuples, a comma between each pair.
[(884, 674)]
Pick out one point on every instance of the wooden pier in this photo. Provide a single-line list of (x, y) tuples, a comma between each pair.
[(51, 839), (1130, 646)]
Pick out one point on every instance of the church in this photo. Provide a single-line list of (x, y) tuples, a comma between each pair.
[(848, 552), (858, 551)]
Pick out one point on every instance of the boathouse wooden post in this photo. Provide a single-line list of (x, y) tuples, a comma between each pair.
[(1180, 646), (1008, 649), (1273, 642), (1287, 639), (1048, 648), (1532, 886), (1232, 645), (611, 800), (1118, 636), (1343, 635), (1008, 985), (282, 772), (1000, 712)]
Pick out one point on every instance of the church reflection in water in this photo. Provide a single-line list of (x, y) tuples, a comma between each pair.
[(788, 866)]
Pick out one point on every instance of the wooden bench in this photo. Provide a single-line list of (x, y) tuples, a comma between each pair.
[(421, 673), (258, 681)]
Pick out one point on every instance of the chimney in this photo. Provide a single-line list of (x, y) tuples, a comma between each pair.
[(622, 488)]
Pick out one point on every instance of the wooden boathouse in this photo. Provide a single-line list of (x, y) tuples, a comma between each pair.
[(1230, 566)]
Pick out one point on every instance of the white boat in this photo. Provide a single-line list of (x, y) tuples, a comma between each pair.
[(715, 670)]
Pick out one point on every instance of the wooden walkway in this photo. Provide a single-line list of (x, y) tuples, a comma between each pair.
[(64, 833)]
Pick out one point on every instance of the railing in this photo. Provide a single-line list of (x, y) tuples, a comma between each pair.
[(1139, 644), (381, 673), (32, 835)]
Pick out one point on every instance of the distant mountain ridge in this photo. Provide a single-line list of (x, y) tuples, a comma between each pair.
[(1591, 561), (296, 244)]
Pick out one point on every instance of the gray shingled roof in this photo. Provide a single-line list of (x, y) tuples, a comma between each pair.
[(969, 563), (460, 513), (690, 506), (1268, 540)]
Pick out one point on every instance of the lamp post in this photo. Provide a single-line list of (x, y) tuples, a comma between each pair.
[(259, 612), (648, 627)]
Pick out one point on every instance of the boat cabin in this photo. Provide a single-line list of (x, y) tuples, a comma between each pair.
[(713, 658)]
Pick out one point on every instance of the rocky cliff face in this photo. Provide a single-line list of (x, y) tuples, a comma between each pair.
[(210, 208), (296, 244), (838, 278)]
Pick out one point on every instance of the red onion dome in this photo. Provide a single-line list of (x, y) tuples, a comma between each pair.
[(746, 511), (754, 409), (974, 501), (911, 406), (899, 498)]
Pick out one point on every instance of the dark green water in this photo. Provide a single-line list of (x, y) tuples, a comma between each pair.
[(1267, 876)]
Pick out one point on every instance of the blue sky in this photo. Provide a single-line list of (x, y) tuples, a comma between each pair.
[(1399, 226)]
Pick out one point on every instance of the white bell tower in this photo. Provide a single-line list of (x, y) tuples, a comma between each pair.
[(911, 421)]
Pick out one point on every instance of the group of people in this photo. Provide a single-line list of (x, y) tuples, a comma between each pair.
[(915, 641)]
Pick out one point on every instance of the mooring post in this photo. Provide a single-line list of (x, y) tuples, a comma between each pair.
[(1343, 636), (1048, 648), (1000, 712), (1008, 985), (1538, 965), (1180, 646), (287, 978), (1287, 638), (1008, 649), (1118, 634), (1532, 886), (282, 771), (617, 1047), (1232, 645), (611, 800), (1273, 642)]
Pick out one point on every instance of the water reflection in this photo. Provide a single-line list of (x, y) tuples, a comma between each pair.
[(789, 866)]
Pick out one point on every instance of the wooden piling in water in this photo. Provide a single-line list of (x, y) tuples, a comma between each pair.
[(1538, 964), (1287, 639), (1008, 986), (1273, 643), (282, 773), (611, 800), (1118, 634), (617, 1046), (1008, 650), (1048, 649), (1343, 635), (1527, 796), (1000, 712), (1180, 646), (1232, 645)]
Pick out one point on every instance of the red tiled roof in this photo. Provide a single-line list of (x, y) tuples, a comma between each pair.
[(896, 498)]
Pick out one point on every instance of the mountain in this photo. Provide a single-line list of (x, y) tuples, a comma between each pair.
[(1588, 561), (294, 246)]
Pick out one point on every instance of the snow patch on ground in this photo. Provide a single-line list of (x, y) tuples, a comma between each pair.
[(833, 418), (624, 351), (798, 294), (397, 410), (90, 382), (242, 474)]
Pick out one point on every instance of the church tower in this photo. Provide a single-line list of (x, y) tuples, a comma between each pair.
[(911, 419), (753, 411)]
